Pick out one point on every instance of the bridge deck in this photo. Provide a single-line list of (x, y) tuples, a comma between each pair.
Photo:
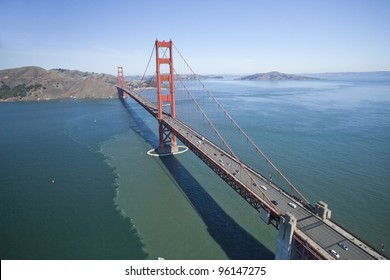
[(320, 235)]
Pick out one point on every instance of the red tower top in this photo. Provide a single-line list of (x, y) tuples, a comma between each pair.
[(165, 77), (121, 78)]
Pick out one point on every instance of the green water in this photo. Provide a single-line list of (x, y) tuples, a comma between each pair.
[(72, 217)]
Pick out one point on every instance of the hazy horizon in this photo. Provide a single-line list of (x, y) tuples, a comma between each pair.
[(237, 37), (217, 74)]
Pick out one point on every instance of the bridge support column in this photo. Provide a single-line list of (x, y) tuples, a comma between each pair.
[(285, 234), (168, 143), (323, 211), (121, 82)]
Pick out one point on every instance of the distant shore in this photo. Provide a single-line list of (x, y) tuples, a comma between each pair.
[(276, 76), (32, 83)]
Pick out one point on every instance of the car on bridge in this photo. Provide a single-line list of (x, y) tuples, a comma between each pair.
[(342, 245), (293, 205), (334, 253)]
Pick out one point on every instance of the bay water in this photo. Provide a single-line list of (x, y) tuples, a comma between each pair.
[(76, 182)]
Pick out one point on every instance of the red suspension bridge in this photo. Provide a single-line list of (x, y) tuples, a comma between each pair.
[(186, 110)]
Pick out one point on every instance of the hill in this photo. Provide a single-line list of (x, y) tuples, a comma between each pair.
[(276, 76), (35, 83)]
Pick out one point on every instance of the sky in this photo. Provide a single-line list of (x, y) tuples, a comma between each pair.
[(215, 37)]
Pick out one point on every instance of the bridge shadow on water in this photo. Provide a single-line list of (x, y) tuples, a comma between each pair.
[(235, 241)]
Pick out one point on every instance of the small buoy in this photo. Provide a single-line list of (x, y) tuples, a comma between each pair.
[(52, 181)]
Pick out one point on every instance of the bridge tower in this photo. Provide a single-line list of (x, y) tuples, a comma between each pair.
[(121, 81), (168, 143)]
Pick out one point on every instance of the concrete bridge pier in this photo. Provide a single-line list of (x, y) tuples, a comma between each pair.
[(284, 242), (167, 149), (323, 211)]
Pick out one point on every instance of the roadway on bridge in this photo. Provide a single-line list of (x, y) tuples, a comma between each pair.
[(323, 235)]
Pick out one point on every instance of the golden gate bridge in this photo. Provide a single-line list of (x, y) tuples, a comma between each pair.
[(187, 111)]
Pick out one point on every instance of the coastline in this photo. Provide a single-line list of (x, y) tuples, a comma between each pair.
[(16, 100)]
